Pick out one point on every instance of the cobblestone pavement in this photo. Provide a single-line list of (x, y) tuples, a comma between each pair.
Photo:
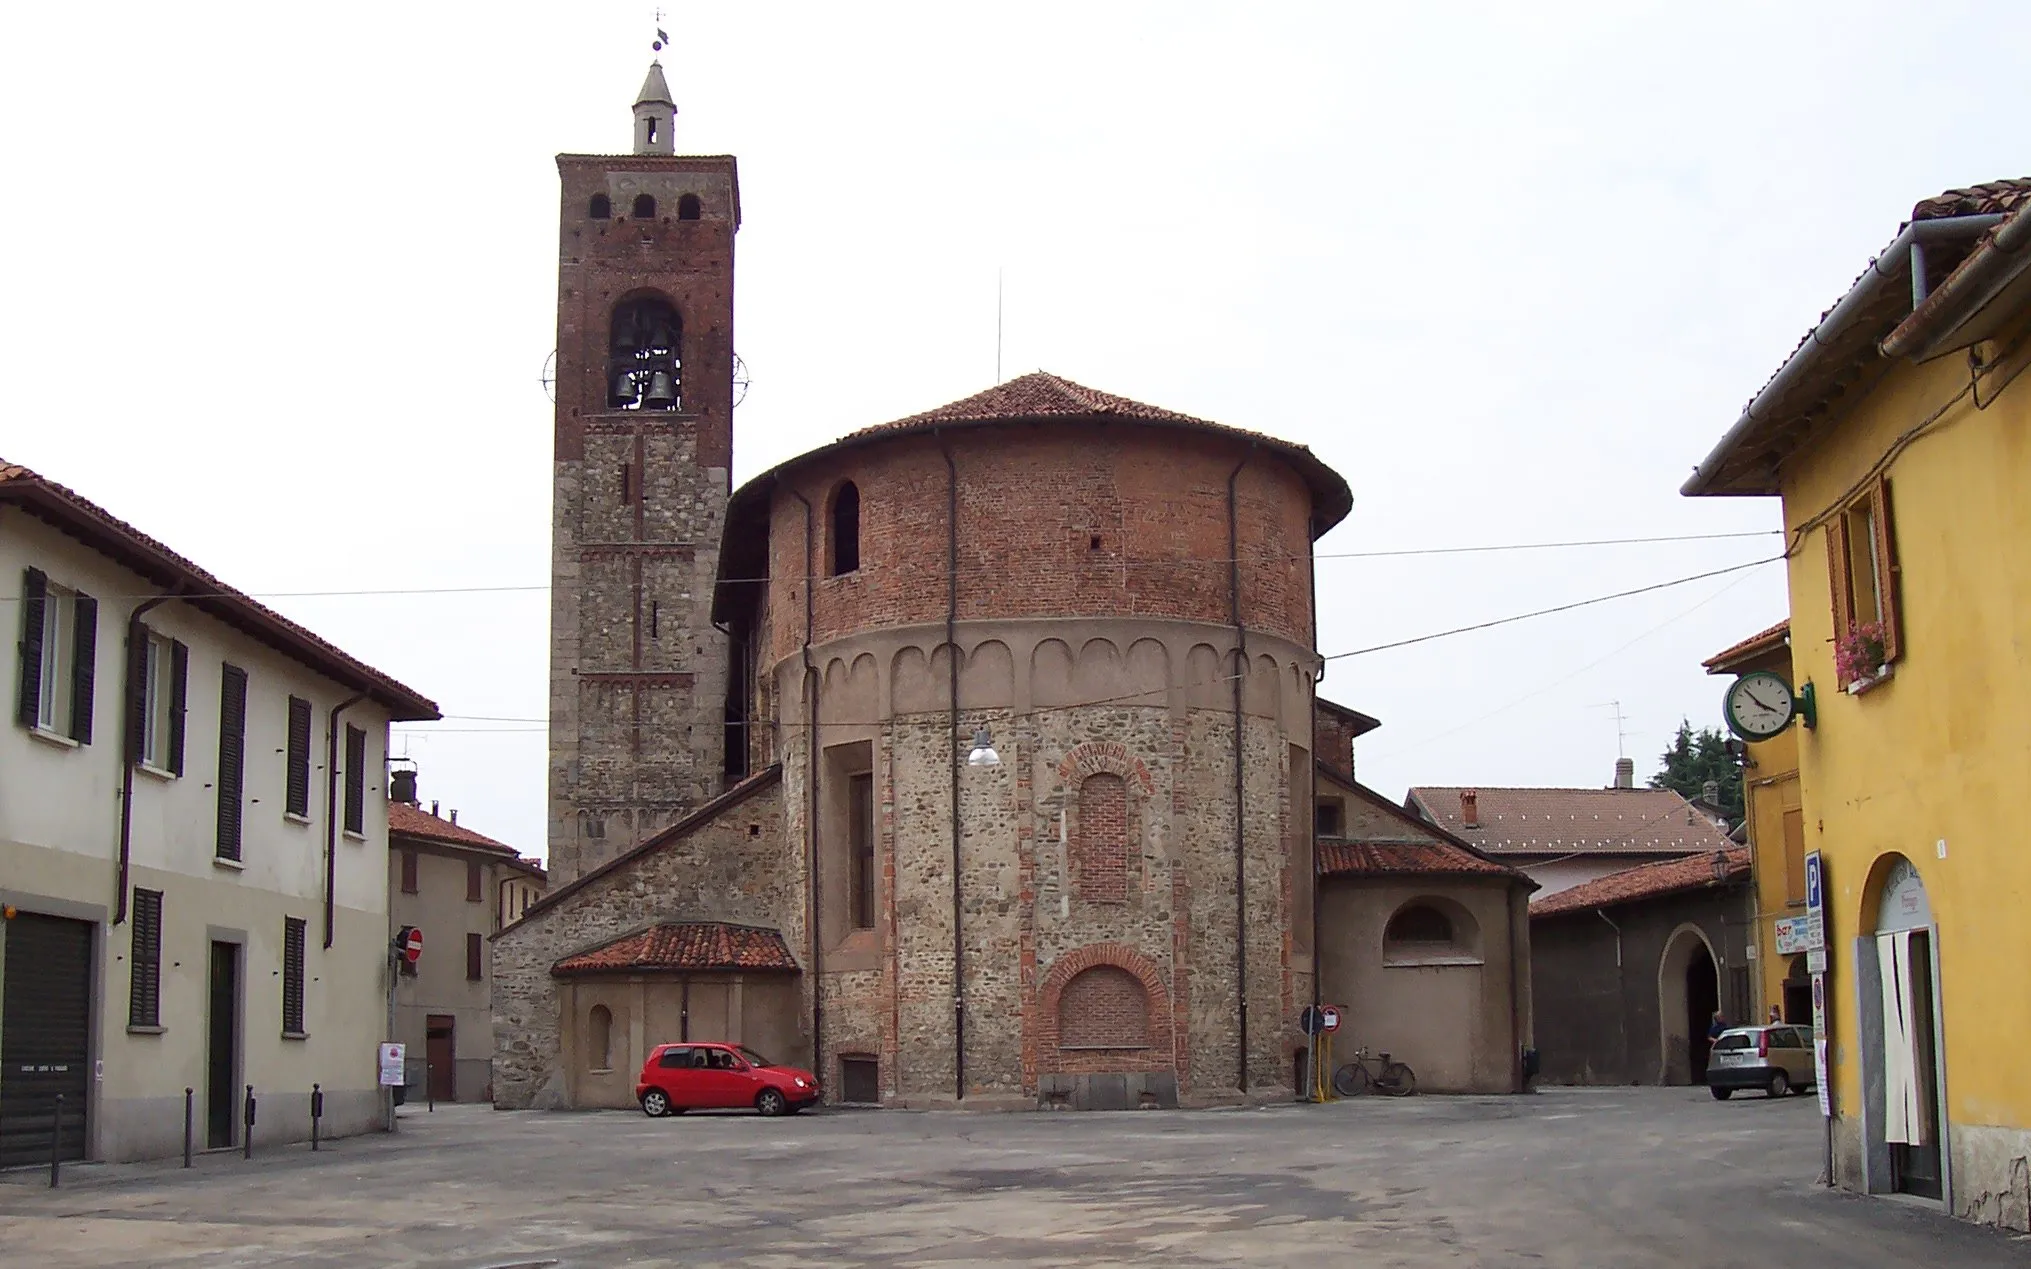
[(1617, 1177)]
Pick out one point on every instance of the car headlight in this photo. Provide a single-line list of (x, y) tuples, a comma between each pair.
[(799, 1081)]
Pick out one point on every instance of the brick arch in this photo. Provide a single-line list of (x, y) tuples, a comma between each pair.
[(1097, 756), (1161, 1051)]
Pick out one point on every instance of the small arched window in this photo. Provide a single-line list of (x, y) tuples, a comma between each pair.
[(688, 207), (644, 363), (599, 1038), (1419, 923), (846, 529), (645, 207), (601, 208)]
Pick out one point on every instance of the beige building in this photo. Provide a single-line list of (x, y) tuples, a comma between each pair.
[(192, 840), (458, 887)]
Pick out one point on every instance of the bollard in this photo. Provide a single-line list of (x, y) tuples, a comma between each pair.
[(247, 1144), (188, 1093), (429, 1088), (55, 1140), (316, 1112)]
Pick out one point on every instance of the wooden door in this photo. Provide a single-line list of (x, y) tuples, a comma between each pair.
[(441, 1050)]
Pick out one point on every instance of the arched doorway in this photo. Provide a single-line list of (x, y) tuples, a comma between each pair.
[(1688, 993), (1900, 1032), (1798, 994)]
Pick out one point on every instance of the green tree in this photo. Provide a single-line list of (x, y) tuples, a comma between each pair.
[(1696, 757)]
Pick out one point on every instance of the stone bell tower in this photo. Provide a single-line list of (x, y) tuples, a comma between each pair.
[(643, 447)]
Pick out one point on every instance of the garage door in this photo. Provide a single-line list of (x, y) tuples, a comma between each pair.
[(45, 1037)]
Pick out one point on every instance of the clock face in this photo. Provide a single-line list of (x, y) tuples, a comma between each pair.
[(1759, 705)]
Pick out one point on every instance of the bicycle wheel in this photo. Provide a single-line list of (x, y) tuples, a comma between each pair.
[(1352, 1080), (1397, 1080)]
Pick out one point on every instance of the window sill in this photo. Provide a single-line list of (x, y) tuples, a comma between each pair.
[(57, 739), (296, 1035), (155, 772), (1104, 1048), (351, 836), (231, 865), (291, 817), (135, 1030), (1420, 962), (1883, 675), (602, 1070)]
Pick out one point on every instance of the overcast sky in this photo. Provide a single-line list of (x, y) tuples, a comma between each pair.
[(281, 284)]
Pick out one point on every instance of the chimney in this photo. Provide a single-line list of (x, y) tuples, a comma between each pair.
[(402, 786), (1470, 808), (1625, 773), (433, 807), (1710, 793), (454, 815)]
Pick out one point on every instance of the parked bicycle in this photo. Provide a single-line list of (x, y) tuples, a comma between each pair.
[(1372, 1072)]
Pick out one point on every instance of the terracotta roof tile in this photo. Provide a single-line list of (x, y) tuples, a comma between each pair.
[(1989, 199), (689, 945), (1648, 881), (1040, 396), (1755, 645), (1343, 859), (1574, 821), (103, 531), (413, 821)]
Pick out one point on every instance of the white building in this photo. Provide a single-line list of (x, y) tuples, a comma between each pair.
[(193, 850)]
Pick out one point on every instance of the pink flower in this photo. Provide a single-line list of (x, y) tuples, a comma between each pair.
[(1859, 653)]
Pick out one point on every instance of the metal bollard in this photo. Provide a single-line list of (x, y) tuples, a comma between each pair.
[(188, 1094), (429, 1088), (316, 1112), (55, 1140), (247, 1143)]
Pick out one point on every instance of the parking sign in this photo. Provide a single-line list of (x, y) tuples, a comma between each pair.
[(1815, 902)]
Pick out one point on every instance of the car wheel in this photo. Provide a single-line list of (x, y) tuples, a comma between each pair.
[(1721, 1094), (771, 1102), (655, 1103), (1780, 1084)]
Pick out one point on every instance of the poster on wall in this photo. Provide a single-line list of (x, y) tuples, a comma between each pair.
[(393, 1074), (1820, 1077), (1793, 936)]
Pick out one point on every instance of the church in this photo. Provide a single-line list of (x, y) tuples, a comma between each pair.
[(971, 759)]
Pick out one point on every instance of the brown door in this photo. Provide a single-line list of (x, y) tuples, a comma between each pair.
[(441, 1053)]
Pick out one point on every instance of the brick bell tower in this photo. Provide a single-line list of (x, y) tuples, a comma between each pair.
[(644, 444)]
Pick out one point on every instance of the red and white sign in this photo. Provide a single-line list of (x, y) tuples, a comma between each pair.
[(1331, 1020), (410, 944)]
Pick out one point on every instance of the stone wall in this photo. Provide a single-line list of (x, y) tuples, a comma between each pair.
[(735, 865)]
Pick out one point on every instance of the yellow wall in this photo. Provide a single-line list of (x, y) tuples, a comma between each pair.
[(1769, 787), (1942, 751)]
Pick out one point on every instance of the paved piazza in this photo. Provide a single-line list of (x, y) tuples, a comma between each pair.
[(1615, 1177)]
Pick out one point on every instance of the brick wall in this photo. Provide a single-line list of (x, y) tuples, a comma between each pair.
[(1100, 848)]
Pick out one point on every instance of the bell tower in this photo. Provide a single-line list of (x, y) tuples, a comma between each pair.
[(643, 449)]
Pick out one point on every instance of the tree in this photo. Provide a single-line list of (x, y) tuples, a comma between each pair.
[(1696, 757)]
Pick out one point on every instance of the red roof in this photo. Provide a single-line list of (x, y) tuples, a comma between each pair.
[(1342, 859), (685, 945), (1573, 821), (1756, 645), (1976, 200), (406, 820), (1705, 870), (115, 538), (1041, 396)]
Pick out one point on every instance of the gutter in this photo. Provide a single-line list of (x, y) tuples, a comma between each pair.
[(1974, 283), (952, 707), (331, 772), (813, 681), (135, 711), (1907, 248)]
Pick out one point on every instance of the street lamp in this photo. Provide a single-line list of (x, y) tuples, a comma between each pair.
[(983, 754)]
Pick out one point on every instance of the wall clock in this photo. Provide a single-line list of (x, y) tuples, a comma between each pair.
[(1759, 705)]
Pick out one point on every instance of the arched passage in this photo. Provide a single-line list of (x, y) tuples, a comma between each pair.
[(1901, 1039), (1688, 995)]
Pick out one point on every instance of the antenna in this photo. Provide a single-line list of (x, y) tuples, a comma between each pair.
[(1621, 733), (997, 324)]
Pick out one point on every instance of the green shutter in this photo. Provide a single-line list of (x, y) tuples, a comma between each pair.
[(232, 758), (299, 757), (137, 690), (179, 678), (85, 646), (34, 593)]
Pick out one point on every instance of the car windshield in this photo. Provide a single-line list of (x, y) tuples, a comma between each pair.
[(754, 1058), (1733, 1040)]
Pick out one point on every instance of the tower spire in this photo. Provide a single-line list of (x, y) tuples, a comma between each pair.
[(655, 115)]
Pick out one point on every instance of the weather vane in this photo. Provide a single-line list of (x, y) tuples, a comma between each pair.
[(662, 37)]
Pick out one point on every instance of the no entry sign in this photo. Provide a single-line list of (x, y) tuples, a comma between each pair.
[(409, 944)]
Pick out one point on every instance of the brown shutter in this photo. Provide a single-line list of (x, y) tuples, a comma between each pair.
[(475, 881), (144, 994), (408, 872), (292, 975), (85, 650), (137, 690), (298, 802), (1889, 575), (356, 780), (34, 594), (1837, 574), (475, 956), (232, 757), (179, 679)]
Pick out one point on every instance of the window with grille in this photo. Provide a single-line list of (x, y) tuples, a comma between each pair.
[(144, 991), (292, 975)]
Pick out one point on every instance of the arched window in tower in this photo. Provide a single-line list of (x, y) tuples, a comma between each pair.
[(644, 364), (1100, 853), (845, 529), (688, 207), (645, 207), (601, 208)]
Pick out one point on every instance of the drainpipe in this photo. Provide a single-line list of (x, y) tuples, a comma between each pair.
[(331, 770), (1312, 782), (952, 707), (811, 685), (135, 634), (1981, 270), (1240, 854), (1621, 1022)]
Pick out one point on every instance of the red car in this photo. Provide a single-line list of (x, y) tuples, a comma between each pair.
[(681, 1077)]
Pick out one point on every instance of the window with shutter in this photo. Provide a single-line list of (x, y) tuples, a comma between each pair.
[(34, 605), (408, 872), (179, 678), (475, 881), (84, 661), (475, 956), (232, 758), (292, 976), (144, 991), (298, 801), (156, 705), (52, 706), (356, 780), (1864, 576)]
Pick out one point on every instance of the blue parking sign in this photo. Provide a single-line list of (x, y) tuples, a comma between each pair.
[(1813, 899)]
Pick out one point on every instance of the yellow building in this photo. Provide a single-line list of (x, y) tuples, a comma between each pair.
[(1899, 437), (1774, 811)]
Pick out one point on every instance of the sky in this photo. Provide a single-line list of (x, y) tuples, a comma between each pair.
[(283, 282)]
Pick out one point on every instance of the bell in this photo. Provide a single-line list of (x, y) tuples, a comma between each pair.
[(625, 391), (662, 391)]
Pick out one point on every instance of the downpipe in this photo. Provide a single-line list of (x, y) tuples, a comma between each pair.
[(136, 708), (331, 773), (1240, 797), (952, 707), (812, 683)]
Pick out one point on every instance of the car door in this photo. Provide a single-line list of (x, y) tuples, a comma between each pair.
[(677, 1076), (1798, 1057), (726, 1086)]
